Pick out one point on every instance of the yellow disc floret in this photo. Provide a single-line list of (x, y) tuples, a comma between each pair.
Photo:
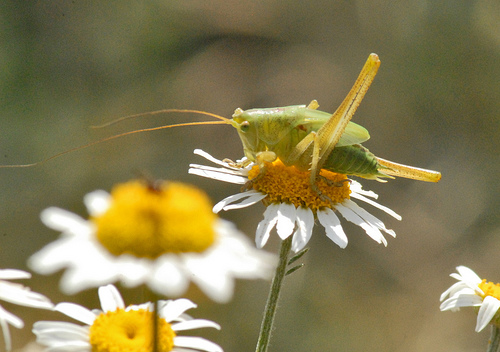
[(493, 290), (287, 184), (130, 331), (490, 289), (147, 221)]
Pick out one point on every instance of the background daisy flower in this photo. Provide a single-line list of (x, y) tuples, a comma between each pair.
[(471, 291), (17, 294), (120, 328), (292, 205), (164, 235)]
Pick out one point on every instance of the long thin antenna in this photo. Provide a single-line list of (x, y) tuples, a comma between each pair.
[(118, 136), (164, 111)]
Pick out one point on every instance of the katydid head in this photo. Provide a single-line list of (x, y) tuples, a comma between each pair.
[(246, 127)]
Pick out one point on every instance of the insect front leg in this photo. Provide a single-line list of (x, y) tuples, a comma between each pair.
[(237, 164), (261, 159)]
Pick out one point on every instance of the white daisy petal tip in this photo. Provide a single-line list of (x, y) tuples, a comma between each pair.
[(286, 220), (303, 232)]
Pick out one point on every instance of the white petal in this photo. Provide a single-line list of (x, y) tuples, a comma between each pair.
[(371, 231), (369, 218), (76, 312), (78, 277), (13, 274), (305, 224), (334, 230), (97, 202), (110, 298), (10, 318), (169, 277), (196, 343), (239, 255), (72, 346), (487, 311), (5, 330), (21, 295), (225, 164), (286, 220), (133, 271), (73, 253), (356, 187), (456, 288), (219, 175), (64, 221), (219, 170), (254, 197), (212, 274), (212, 159), (54, 256), (468, 275), (463, 300), (266, 225), (54, 332), (248, 198), (174, 309), (195, 324), (377, 205)]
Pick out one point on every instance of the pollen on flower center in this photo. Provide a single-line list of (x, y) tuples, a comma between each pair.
[(287, 184), (490, 289), (130, 331), (147, 221)]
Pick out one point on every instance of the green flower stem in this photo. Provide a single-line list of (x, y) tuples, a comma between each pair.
[(156, 316), (153, 297), (272, 299), (494, 342)]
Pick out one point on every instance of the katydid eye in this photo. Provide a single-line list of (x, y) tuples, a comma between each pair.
[(245, 125)]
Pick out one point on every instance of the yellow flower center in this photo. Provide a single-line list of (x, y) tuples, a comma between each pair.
[(130, 331), (147, 221), (490, 289), (287, 184)]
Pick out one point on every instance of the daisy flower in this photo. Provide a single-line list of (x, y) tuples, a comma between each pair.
[(120, 328), (292, 205), (163, 235), (17, 294), (471, 291)]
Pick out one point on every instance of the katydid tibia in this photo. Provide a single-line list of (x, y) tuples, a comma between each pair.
[(304, 137)]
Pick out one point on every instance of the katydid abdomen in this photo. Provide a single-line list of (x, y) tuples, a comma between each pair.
[(353, 160)]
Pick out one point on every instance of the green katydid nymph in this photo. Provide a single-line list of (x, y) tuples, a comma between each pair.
[(304, 137)]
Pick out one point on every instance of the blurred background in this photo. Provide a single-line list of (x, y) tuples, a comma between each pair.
[(68, 65)]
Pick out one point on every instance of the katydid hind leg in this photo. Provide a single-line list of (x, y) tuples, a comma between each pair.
[(329, 134), (411, 172)]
